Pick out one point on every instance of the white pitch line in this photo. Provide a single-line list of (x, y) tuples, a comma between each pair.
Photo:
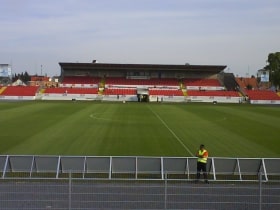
[(171, 131)]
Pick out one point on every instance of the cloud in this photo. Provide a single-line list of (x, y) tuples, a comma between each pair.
[(236, 33)]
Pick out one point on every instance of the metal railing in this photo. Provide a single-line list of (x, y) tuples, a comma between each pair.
[(136, 168)]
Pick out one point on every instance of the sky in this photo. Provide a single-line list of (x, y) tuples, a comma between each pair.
[(37, 35)]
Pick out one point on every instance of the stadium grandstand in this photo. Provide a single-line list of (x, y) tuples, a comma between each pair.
[(143, 83)]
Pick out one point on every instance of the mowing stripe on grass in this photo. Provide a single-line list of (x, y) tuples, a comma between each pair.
[(172, 132)]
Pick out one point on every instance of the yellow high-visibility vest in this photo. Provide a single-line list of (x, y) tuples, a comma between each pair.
[(204, 159)]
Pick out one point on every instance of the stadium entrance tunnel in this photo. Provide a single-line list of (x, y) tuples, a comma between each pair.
[(143, 95), (142, 98)]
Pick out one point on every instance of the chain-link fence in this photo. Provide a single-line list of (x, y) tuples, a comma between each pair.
[(82, 194)]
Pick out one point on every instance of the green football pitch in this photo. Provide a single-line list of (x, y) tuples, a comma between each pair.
[(138, 129)]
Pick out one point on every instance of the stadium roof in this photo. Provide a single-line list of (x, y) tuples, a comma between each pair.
[(141, 67)]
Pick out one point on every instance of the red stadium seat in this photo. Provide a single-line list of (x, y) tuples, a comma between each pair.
[(20, 91), (262, 95), (202, 82), (72, 90), (213, 93), (165, 92)]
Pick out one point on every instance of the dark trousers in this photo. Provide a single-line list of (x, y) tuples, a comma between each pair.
[(201, 167)]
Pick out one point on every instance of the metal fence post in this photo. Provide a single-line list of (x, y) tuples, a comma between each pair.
[(165, 191), (260, 191), (70, 191)]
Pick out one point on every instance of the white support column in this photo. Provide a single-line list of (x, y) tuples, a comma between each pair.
[(188, 168), (85, 165), (264, 170), (32, 164), (136, 167), (239, 171), (110, 169), (161, 168), (5, 167), (214, 170), (57, 167)]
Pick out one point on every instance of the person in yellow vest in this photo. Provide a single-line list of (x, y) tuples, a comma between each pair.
[(202, 155)]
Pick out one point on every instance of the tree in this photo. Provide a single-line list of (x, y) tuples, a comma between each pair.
[(25, 77), (274, 68)]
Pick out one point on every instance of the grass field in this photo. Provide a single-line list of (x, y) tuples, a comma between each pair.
[(138, 129)]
